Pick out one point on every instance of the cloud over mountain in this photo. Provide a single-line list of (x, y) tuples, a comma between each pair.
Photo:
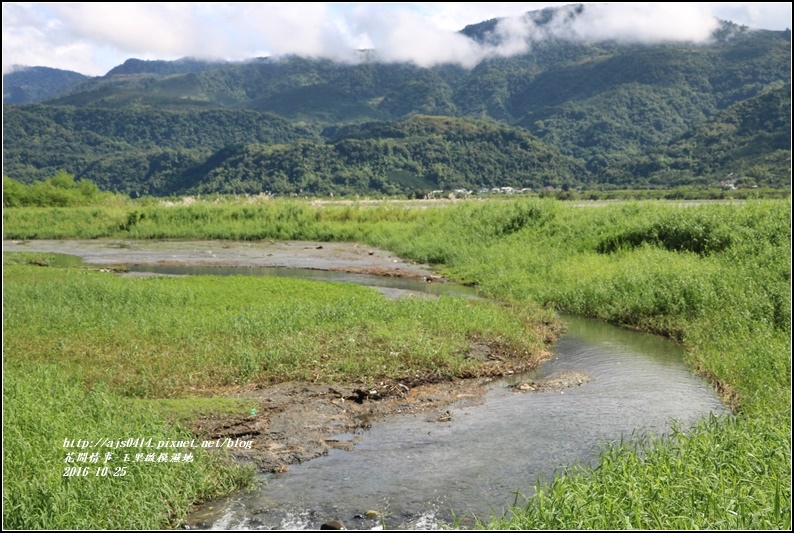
[(92, 37)]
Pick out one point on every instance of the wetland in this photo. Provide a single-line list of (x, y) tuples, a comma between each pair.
[(426, 453), (154, 348)]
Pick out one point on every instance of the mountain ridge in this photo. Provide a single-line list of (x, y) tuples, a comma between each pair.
[(601, 105)]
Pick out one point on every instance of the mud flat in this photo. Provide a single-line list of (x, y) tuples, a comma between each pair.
[(296, 422), (331, 256)]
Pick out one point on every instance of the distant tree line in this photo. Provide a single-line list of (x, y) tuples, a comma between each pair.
[(567, 114), (60, 190)]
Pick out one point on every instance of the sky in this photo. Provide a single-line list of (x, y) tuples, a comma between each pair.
[(92, 38)]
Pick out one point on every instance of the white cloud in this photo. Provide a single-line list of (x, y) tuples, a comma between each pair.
[(296, 28), (161, 28), (766, 15), (400, 35), (32, 40), (93, 37), (645, 22)]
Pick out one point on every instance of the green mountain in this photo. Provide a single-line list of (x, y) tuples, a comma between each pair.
[(412, 157), (186, 65), (133, 150), (25, 85), (749, 143), (605, 106), (165, 152), (611, 108)]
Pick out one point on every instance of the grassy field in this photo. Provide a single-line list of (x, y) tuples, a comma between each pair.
[(172, 337), (89, 355), (715, 277), (44, 404)]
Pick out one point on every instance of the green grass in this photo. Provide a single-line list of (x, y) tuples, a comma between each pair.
[(186, 410), (276, 219), (163, 337), (712, 477), (715, 277), (89, 355), (42, 405), (41, 259)]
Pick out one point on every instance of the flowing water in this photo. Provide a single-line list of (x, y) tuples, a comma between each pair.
[(394, 287), (423, 475)]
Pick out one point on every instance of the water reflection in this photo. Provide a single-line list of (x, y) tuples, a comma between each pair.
[(422, 475), (391, 285)]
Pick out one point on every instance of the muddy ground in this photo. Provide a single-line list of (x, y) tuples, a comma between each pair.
[(338, 256), (295, 422)]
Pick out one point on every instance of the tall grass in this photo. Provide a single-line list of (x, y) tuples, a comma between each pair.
[(277, 219), (716, 278), (711, 478), (161, 337), (42, 406)]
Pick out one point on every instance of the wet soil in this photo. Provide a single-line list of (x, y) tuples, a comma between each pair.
[(335, 256), (296, 422)]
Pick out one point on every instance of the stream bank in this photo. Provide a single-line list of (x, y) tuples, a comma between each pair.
[(414, 467)]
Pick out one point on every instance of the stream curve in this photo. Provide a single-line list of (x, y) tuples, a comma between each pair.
[(421, 473)]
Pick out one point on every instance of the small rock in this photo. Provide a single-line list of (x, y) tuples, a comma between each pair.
[(446, 417), (371, 514), (333, 524)]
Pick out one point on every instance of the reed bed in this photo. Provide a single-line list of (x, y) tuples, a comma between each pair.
[(714, 277)]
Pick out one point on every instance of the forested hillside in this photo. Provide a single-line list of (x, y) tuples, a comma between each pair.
[(25, 85), (411, 157), (747, 144), (135, 150), (624, 115)]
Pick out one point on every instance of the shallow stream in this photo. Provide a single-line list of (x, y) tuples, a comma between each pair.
[(421, 475), (425, 475)]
